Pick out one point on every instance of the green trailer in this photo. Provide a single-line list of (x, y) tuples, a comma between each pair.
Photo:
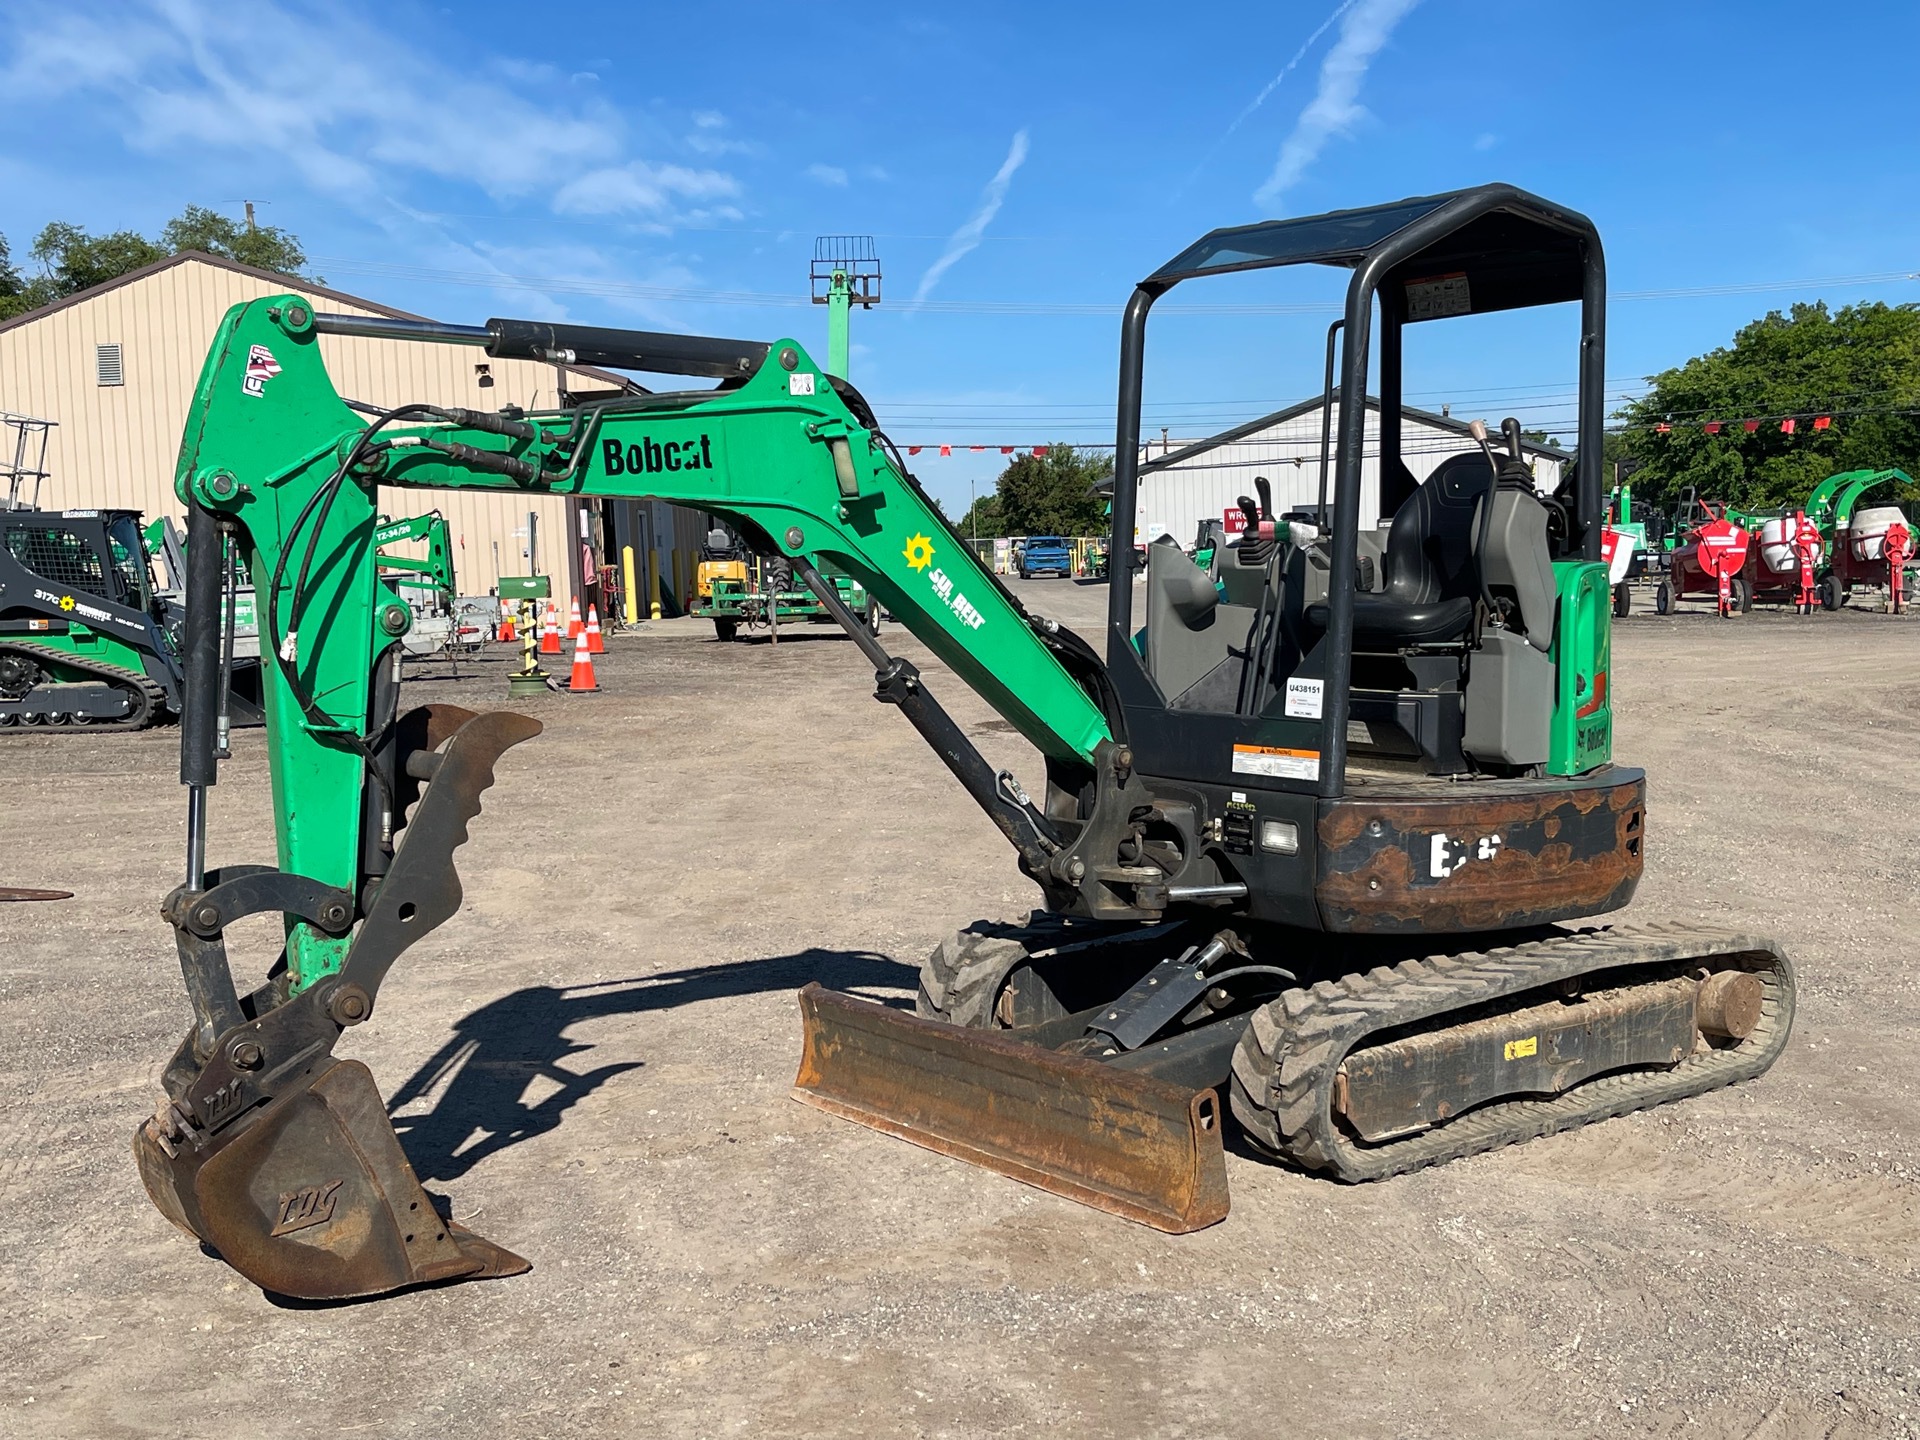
[(769, 597)]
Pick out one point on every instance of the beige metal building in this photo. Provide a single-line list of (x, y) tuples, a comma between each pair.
[(114, 368)]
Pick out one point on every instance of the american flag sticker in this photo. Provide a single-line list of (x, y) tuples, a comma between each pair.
[(261, 367)]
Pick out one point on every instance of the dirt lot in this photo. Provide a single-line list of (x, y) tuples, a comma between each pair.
[(593, 1059)]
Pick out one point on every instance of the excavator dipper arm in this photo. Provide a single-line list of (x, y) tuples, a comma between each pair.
[(268, 1147)]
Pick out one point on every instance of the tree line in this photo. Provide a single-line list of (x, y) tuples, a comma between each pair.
[(1050, 494), (1858, 366), (71, 260)]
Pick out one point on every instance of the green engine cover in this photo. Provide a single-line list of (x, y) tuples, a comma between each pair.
[(1582, 655)]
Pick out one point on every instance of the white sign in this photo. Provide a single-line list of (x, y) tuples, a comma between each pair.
[(801, 384), (1305, 699), (1275, 761)]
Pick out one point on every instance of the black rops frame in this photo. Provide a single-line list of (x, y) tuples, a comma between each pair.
[(1526, 251)]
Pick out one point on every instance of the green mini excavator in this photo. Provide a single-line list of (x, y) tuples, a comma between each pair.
[(1310, 838)]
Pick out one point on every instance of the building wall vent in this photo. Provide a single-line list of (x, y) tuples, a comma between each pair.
[(106, 361)]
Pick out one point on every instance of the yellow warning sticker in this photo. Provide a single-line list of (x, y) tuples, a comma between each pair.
[(1520, 1049), (1272, 760)]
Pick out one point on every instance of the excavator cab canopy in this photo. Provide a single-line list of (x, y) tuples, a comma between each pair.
[(1499, 259)]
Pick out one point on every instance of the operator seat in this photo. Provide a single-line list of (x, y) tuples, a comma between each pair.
[(1431, 582)]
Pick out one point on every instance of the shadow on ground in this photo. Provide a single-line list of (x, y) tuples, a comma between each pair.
[(482, 1075)]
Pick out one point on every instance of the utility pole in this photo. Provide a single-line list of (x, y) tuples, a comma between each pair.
[(846, 273), (251, 227)]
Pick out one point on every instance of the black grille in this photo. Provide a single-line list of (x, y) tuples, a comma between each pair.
[(65, 559)]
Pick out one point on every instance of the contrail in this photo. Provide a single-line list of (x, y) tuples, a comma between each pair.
[(1260, 99), (968, 235), (1335, 106), (1288, 68)]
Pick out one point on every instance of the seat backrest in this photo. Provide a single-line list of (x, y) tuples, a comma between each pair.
[(1430, 543)]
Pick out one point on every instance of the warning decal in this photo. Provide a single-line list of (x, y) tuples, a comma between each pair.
[(1271, 760)]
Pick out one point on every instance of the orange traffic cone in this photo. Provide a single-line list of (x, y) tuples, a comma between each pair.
[(550, 633), (574, 627), (581, 682), (596, 644), (506, 634)]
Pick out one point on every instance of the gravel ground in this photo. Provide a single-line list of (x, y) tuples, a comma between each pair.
[(592, 1059)]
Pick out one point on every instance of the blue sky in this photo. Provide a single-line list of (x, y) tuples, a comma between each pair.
[(1019, 165)]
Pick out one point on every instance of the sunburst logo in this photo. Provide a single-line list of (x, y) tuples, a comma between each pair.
[(919, 552), (66, 602)]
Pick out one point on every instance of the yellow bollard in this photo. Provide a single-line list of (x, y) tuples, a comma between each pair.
[(626, 576), (653, 571)]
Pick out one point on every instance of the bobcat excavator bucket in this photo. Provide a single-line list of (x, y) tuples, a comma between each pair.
[(1131, 1144), (268, 1148)]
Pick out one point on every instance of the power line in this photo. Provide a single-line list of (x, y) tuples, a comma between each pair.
[(680, 294)]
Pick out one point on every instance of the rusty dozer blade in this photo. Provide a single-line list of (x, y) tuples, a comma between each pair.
[(268, 1148), (1130, 1144), (314, 1196)]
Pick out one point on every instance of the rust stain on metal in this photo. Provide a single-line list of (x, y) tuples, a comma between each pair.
[(1125, 1143), (1486, 862), (1729, 1004), (1423, 1079)]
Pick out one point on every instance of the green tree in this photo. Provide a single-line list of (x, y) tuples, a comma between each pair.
[(983, 518), (265, 246), (1861, 365), (71, 260), (1052, 494), (15, 288), (74, 261)]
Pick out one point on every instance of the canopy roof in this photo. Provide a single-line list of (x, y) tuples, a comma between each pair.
[(1468, 251)]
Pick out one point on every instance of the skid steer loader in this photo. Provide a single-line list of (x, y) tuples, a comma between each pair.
[(1311, 839)]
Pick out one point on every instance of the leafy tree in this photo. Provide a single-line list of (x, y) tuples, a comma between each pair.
[(1052, 494), (1860, 365), (74, 260), (265, 246), (14, 287), (71, 260), (983, 518)]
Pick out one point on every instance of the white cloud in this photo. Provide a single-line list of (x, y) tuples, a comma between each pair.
[(1486, 142), (193, 75), (1335, 107), (709, 119), (638, 186), (828, 175), (874, 172), (967, 237)]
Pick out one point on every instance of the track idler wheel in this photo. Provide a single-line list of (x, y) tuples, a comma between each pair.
[(314, 1197)]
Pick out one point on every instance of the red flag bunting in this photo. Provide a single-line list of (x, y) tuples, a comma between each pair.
[(1750, 424), (976, 448), (1786, 426), (1662, 428), (913, 449), (1041, 449), (1822, 422), (946, 449), (1712, 427), (1006, 449)]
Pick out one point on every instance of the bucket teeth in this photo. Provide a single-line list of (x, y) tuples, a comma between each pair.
[(313, 1197)]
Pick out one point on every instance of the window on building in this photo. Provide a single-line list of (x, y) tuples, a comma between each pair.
[(106, 361)]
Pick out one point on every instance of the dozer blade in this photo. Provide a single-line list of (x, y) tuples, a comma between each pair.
[(314, 1198), (1129, 1144)]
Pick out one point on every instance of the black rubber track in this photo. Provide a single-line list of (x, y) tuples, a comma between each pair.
[(149, 699), (1284, 1067)]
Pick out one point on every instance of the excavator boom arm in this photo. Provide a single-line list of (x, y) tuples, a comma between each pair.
[(274, 454)]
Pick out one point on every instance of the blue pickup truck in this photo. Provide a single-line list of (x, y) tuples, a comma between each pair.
[(1045, 555)]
